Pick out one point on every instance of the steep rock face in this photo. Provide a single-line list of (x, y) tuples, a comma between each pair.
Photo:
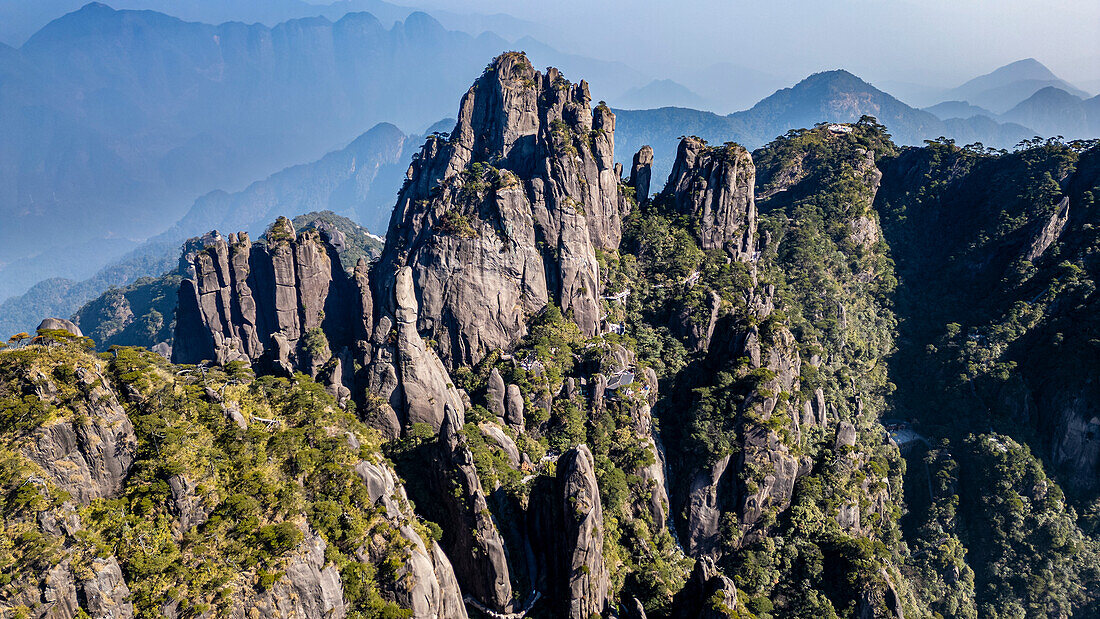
[(287, 305), (763, 473), (308, 588), (505, 215), (88, 458), (708, 594), (762, 449), (641, 173), (584, 574), (426, 583), (470, 536), (1050, 231), (404, 372), (714, 186), (99, 592)]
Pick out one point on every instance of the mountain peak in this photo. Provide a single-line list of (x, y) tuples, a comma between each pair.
[(1028, 68)]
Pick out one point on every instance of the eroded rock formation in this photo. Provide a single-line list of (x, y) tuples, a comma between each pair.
[(505, 215), (714, 186)]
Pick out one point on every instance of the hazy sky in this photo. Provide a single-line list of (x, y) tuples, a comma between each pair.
[(933, 41)]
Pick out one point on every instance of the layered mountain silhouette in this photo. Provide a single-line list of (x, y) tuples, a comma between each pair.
[(832, 96), (660, 93), (1003, 88), (19, 20), (114, 121)]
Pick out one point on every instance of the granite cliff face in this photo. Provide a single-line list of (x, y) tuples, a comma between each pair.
[(713, 187), (505, 214), (286, 304)]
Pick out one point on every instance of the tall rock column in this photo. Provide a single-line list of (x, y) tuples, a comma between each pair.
[(505, 215), (714, 186), (585, 576), (641, 173)]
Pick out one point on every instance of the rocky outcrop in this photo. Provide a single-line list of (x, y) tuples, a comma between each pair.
[(60, 324), (470, 536), (285, 306), (761, 476), (99, 592), (495, 394), (771, 468), (88, 457), (426, 583), (583, 574), (105, 591), (404, 372), (1049, 232), (707, 497), (308, 588), (505, 215), (641, 172), (708, 594), (714, 186)]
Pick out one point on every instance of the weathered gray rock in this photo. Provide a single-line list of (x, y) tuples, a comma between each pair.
[(582, 536), (308, 588), (106, 595), (59, 593), (427, 584), (257, 303), (190, 509), (101, 592), (60, 324), (427, 388), (845, 435), (470, 537), (762, 449), (714, 186), (497, 436), (641, 171), (513, 404), (1049, 233), (88, 459), (505, 215), (704, 508), (494, 394), (708, 594)]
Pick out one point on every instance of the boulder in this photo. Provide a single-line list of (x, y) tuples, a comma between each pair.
[(60, 324)]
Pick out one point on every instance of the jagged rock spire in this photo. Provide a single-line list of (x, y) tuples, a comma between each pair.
[(505, 215), (641, 172), (714, 186)]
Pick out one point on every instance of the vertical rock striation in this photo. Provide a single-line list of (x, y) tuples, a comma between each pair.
[(505, 215), (714, 186), (583, 572), (286, 305)]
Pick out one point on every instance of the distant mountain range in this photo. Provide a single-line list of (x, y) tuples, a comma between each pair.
[(1050, 111), (1007, 86), (659, 93), (112, 122), (20, 19), (832, 96), (359, 181)]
